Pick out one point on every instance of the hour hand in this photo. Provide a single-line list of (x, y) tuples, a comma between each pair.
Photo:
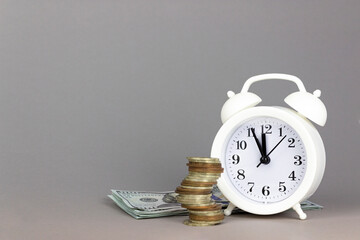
[(265, 159), (258, 143)]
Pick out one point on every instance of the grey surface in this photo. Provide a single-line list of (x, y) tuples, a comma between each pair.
[(115, 94)]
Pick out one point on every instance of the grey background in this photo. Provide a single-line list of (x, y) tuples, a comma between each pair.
[(97, 95)]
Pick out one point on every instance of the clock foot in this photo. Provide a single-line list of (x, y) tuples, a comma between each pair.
[(299, 211), (229, 209)]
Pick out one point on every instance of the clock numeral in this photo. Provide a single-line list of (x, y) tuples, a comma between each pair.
[(252, 186), (280, 129), (241, 145), (241, 174), (265, 191), (236, 159), (292, 176), (266, 129), (282, 187), (292, 142), (298, 161)]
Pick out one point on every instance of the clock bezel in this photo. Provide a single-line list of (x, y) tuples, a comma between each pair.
[(313, 146)]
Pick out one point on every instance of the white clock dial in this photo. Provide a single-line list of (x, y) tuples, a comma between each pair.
[(268, 167)]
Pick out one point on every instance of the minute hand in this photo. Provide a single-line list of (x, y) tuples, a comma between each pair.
[(276, 146)]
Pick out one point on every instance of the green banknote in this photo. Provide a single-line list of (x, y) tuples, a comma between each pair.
[(147, 204)]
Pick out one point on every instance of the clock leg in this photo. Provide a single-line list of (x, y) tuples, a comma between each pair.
[(229, 209), (299, 211)]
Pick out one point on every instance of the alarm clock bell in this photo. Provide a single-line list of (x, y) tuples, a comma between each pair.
[(306, 104), (237, 103)]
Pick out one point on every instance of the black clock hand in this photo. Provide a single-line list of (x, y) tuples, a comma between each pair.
[(263, 143), (264, 158), (276, 146), (258, 143)]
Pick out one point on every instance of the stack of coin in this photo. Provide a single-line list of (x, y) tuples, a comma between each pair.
[(195, 192)]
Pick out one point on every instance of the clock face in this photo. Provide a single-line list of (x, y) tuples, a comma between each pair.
[(265, 160)]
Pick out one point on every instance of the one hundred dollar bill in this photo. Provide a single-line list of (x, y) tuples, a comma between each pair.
[(147, 204)]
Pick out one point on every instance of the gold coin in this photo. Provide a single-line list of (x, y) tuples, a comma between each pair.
[(192, 191), (201, 174), (199, 206), (206, 213), (204, 207), (205, 170), (193, 201), (203, 159), (190, 222), (187, 183), (210, 181), (218, 217), (205, 165), (182, 197), (190, 198), (211, 222), (198, 224), (194, 187), (188, 201), (199, 179), (195, 196)]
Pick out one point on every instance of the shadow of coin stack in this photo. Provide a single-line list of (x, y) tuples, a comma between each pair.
[(195, 192)]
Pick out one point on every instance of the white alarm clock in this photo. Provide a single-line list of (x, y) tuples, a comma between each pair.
[(273, 157)]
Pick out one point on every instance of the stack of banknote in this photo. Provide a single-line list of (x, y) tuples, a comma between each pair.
[(145, 204), (140, 204)]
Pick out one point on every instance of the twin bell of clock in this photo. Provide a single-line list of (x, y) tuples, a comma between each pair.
[(305, 103), (273, 157)]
